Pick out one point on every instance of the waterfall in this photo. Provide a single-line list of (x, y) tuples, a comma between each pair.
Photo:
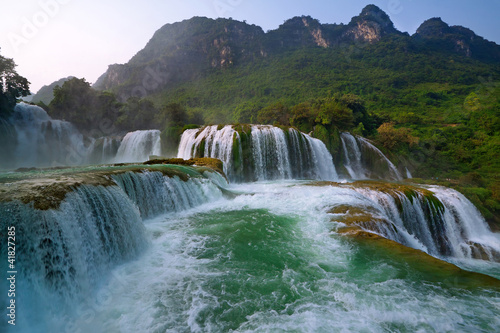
[(138, 146), (363, 160), (263, 152), (444, 224), (155, 194), (33, 139), (41, 141), (270, 153), (64, 255), (352, 155), (103, 150)]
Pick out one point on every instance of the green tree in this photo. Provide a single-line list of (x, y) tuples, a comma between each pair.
[(77, 103), (276, 113), (137, 114), (333, 112), (12, 86), (302, 116), (392, 138)]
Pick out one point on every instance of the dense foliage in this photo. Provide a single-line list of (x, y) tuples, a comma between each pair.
[(12, 86)]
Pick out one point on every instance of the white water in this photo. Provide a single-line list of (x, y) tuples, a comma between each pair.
[(270, 153), (37, 140), (190, 278), (361, 166), (465, 224), (273, 155), (64, 256), (449, 232), (156, 194), (352, 156), (42, 141), (138, 146), (103, 150)]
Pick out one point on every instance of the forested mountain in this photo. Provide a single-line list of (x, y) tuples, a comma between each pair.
[(200, 48)]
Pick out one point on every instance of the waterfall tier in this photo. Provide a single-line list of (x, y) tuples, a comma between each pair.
[(260, 152), (86, 256), (138, 146), (434, 219), (33, 139), (36, 140)]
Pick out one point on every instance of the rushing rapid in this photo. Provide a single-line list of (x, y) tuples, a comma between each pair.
[(270, 260), (155, 253)]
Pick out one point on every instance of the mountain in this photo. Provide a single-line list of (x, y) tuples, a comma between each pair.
[(436, 34), (46, 93), (194, 49), (183, 51)]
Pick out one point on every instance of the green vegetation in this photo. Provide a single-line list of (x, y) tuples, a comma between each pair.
[(46, 93), (12, 86)]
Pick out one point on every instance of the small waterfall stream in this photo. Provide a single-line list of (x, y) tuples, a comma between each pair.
[(363, 160), (138, 146)]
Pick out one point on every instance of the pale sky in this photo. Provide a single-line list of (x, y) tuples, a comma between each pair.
[(51, 39)]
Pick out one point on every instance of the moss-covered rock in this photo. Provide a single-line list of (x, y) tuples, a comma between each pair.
[(430, 268)]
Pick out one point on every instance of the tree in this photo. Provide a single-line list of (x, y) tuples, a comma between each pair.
[(302, 117), (392, 138), (276, 113), (171, 115), (137, 114), (333, 112), (12, 86), (75, 102)]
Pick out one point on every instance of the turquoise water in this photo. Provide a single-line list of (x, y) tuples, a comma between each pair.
[(270, 261)]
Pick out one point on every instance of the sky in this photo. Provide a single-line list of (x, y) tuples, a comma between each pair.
[(52, 39)]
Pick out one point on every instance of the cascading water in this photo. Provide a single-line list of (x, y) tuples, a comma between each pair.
[(138, 146), (352, 155), (41, 141), (270, 153), (156, 194), (265, 153), (267, 260), (33, 139), (103, 150), (64, 255), (447, 225), (363, 160)]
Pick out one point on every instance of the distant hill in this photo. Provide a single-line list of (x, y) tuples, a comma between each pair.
[(46, 93)]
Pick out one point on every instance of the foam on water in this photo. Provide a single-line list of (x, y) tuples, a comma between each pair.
[(269, 261)]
